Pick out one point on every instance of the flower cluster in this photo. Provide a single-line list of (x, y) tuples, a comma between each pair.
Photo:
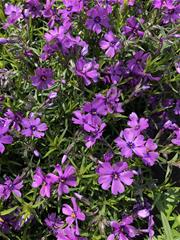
[(59, 228), (131, 141), (101, 65), (64, 179), (90, 117)]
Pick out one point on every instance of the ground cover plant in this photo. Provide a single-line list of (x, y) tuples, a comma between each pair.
[(89, 119)]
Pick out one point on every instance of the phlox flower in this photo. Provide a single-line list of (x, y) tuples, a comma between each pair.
[(129, 142), (73, 213), (115, 176)]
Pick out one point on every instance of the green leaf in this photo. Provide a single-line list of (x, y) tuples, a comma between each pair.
[(6, 212), (166, 226)]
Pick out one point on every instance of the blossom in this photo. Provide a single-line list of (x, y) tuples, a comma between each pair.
[(171, 14), (14, 13), (32, 127), (161, 3), (176, 140), (136, 123), (4, 137), (130, 141), (53, 221), (71, 7), (87, 70), (97, 18), (91, 139), (116, 72), (137, 64), (10, 186), (33, 8), (110, 44), (15, 119), (150, 156), (115, 176), (45, 181), (43, 78), (123, 230), (133, 28), (177, 108), (66, 178), (74, 214)]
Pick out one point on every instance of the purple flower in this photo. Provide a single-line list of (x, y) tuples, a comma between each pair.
[(33, 8), (75, 6), (108, 156), (15, 119), (45, 180), (74, 214), (150, 156), (136, 123), (14, 13), (66, 179), (123, 230), (133, 28), (48, 11), (97, 18), (171, 14), (115, 176), (43, 78), (33, 127), (4, 137), (68, 233), (130, 141), (53, 222), (176, 140), (91, 139), (177, 108), (112, 101), (161, 3), (170, 125), (110, 44), (116, 72), (87, 70), (137, 64), (10, 186)]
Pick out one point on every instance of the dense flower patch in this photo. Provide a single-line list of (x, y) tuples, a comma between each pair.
[(89, 119)]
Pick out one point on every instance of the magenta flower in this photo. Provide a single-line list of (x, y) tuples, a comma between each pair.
[(171, 14), (33, 127), (176, 140), (74, 214), (150, 157), (130, 141), (115, 176), (123, 230), (87, 70), (68, 233), (10, 186), (33, 8), (14, 13), (136, 123), (133, 28), (137, 64), (97, 18), (43, 78), (66, 179), (4, 137), (45, 181), (162, 3), (71, 7), (15, 119), (110, 44), (53, 221), (177, 108)]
